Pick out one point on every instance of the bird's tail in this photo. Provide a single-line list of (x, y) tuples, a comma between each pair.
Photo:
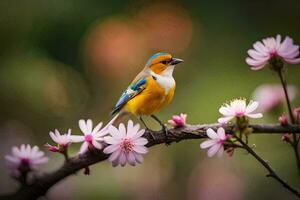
[(118, 118)]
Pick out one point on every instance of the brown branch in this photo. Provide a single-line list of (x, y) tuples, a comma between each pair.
[(40, 185), (272, 173)]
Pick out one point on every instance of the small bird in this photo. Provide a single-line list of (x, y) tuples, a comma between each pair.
[(151, 90)]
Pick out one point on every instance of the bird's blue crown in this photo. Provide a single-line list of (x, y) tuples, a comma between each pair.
[(149, 62)]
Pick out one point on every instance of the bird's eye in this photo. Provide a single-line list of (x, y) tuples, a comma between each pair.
[(164, 62)]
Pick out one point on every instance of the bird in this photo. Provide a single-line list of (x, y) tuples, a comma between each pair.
[(151, 90)]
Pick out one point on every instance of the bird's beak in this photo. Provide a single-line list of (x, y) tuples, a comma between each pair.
[(175, 61)]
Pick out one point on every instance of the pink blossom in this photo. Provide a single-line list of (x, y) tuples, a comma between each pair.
[(178, 120), (25, 157), (215, 143), (287, 137), (62, 141), (52, 148), (238, 108), (270, 96), (271, 47), (297, 114), (126, 146), (297, 110), (283, 120), (93, 137)]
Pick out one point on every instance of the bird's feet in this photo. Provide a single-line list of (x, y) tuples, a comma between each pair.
[(167, 134), (164, 129), (151, 133), (147, 128)]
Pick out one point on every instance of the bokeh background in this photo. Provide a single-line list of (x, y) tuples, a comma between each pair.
[(61, 61)]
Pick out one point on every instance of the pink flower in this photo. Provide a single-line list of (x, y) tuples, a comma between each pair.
[(271, 47), (215, 143), (62, 141), (25, 157), (178, 120), (287, 137), (270, 96), (52, 148), (126, 146), (297, 114), (297, 111), (283, 120), (238, 108), (93, 137)]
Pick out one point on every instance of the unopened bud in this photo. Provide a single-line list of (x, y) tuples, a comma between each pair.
[(297, 113), (52, 148), (297, 110), (286, 137), (230, 151), (283, 120)]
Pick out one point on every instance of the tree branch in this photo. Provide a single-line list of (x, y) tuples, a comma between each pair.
[(266, 165), (40, 185)]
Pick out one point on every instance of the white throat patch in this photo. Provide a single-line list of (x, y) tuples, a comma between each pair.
[(165, 79)]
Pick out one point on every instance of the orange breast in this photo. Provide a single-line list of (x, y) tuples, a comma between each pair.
[(168, 99), (150, 100)]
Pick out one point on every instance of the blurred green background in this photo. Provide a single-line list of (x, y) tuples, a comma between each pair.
[(61, 61)]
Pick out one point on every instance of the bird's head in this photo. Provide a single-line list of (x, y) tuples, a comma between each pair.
[(162, 62)]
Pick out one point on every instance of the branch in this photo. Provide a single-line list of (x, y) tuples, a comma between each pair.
[(272, 173), (40, 185)]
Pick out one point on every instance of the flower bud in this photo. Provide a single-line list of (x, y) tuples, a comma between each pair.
[(297, 114), (286, 137), (178, 120), (283, 120), (230, 151), (52, 148)]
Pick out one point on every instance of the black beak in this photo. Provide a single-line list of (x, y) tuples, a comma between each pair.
[(175, 61)]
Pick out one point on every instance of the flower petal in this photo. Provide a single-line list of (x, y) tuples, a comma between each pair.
[(224, 120), (129, 126), (138, 134), (12, 159), (140, 149), (114, 132), (83, 126), (114, 156), (293, 61), (122, 130), (257, 115), (122, 159), (76, 138), (221, 133), (53, 136), (84, 148), (208, 143), (251, 106), (111, 140), (211, 134), (40, 161), (131, 158), (111, 148), (226, 111), (97, 128), (140, 141), (138, 157), (256, 63), (213, 150), (96, 144)]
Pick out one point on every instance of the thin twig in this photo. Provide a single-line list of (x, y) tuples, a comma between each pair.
[(292, 118), (272, 173), (40, 185)]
